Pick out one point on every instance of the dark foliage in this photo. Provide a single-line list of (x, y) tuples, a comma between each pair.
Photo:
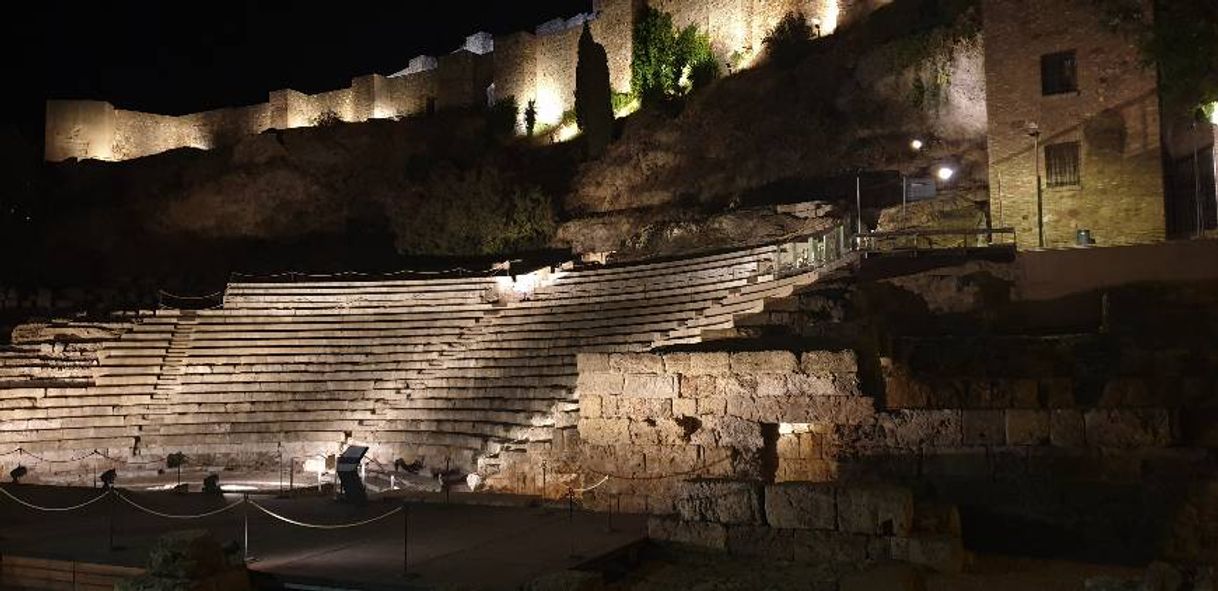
[(593, 95)]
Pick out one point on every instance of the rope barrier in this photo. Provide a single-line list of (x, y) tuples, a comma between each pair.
[(54, 509), (9, 453), (44, 460), (323, 526), (210, 296), (658, 477), (593, 487), (171, 516)]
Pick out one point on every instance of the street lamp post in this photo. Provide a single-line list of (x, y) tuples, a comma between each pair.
[(1034, 131)]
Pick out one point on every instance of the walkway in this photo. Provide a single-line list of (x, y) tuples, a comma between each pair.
[(455, 546)]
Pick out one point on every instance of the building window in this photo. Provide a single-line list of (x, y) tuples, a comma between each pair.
[(1062, 165), (1058, 73)]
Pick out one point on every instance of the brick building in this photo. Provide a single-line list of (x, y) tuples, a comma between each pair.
[(1071, 99)]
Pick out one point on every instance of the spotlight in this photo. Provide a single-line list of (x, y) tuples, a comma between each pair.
[(916, 144), (108, 478), (945, 173), (18, 473), (1213, 114)]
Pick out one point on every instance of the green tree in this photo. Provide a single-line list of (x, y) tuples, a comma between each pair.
[(667, 63), (1181, 40), (790, 40), (593, 95), (530, 118)]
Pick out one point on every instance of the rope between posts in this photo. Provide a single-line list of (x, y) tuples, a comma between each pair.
[(67, 461), (55, 509), (170, 516), (323, 526), (593, 487), (659, 476)]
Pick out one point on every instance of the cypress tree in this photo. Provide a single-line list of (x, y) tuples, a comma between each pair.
[(593, 96)]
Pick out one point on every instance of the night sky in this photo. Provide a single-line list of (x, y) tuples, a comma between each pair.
[(182, 57)]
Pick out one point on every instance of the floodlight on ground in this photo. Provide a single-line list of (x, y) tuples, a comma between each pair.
[(108, 477), (18, 473), (945, 173), (916, 144)]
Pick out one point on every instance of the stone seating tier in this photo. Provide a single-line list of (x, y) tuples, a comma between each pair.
[(421, 366)]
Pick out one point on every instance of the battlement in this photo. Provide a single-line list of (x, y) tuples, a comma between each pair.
[(529, 66)]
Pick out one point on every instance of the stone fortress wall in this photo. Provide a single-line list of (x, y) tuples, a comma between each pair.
[(537, 66)]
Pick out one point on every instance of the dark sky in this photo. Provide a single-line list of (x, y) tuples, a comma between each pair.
[(176, 57)]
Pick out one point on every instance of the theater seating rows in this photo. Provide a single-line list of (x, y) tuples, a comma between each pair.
[(449, 369)]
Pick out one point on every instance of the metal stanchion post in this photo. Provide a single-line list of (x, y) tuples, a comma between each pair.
[(543, 481), (245, 518), (113, 507), (405, 539), (570, 522)]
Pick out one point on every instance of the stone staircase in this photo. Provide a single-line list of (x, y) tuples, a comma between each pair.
[(169, 379)]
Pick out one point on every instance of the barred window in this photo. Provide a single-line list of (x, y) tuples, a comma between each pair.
[(1058, 73), (1062, 164)]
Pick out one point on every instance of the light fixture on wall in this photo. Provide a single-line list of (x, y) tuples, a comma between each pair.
[(916, 144), (945, 173)]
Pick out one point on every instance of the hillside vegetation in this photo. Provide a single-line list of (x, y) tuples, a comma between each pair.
[(380, 195)]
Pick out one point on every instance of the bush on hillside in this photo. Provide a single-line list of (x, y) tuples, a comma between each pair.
[(790, 40), (667, 63)]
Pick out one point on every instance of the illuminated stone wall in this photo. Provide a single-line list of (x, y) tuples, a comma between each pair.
[(1114, 116), (538, 65)]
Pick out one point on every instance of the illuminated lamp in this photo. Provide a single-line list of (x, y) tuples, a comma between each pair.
[(945, 173), (1213, 110), (916, 144)]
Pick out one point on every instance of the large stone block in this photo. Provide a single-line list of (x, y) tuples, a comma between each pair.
[(875, 510), (604, 431), (601, 384), (1145, 427), (828, 363), (696, 364), (589, 406), (636, 363), (798, 505), (983, 427), (945, 554), (694, 533), (1027, 427), (761, 541), (829, 547), (720, 501), (650, 386), (699, 386), (916, 428), (592, 362), (764, 362), (1066, 428)]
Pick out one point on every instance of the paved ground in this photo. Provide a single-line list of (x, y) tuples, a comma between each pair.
[(456, 546)]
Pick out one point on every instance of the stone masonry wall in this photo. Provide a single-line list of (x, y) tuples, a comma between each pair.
[(1114, 115), (524, 66)]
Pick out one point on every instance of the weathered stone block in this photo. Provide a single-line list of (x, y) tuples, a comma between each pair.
[(942, 553), (828, 363), (699, 386), (712, 406), (1128, 428), (875, 510), (596, 383), (604, 431), (1066, 428), (983, 427), (592, 362), (887, 577), (590, 406), (916, 428), (696, 364), (694, 533), (956, 462), (650, 386), (636, 363), (828, 547), (805, 470), (761, 541), (764, 362), (1027, 427), (720, 501), (801, 506), (643, 408), (684, 407)]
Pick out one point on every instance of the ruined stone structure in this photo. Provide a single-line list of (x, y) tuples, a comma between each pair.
[(1053, 67), (528, 66)]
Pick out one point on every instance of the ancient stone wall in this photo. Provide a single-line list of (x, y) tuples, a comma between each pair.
[(1113, 115), (536, 66)]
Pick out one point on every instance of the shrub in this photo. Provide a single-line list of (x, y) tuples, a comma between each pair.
[(501, 119), (326, 119), (790, 40), (667, 63), (530, 118)]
